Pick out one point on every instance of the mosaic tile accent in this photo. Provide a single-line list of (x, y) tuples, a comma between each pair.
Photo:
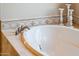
[(53, 20)]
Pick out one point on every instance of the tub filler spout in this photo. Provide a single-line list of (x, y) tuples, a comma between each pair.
[(20, 29)]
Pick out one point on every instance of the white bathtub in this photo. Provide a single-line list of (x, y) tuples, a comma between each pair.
[(53, 40)]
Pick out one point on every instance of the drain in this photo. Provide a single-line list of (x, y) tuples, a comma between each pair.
[(40, 47)]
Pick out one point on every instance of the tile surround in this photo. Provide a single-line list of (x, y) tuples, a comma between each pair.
[(34, 22)]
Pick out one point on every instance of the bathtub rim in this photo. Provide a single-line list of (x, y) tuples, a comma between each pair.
[(31, 48), (70, 27), (28, 46)]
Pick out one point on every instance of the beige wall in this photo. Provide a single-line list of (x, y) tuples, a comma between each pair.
[(29, 10), (26, 10), (76, 9)]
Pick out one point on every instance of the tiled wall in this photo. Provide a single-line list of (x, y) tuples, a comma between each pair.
[(76, 22), (51, 20), (30, 22)]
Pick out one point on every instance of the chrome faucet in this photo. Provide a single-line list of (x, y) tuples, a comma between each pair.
[(20, 29)]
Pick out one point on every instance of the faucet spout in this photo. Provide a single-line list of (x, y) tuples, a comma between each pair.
[(20, 29), (27, 27)]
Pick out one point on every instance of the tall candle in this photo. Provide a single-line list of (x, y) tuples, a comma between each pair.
[(68, 8), (61, 15), (71, 16)]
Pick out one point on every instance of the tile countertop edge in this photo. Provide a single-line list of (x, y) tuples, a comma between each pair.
[(16, 44)]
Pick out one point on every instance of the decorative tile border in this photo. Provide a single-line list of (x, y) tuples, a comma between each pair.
[(51, 20), (30, 22)]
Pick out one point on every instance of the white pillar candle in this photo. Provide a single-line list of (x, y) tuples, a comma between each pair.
[(61, 15), (68, 8), (71, 16)]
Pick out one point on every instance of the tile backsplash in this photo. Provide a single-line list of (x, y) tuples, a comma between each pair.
[(51, 20), (30, 22)]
